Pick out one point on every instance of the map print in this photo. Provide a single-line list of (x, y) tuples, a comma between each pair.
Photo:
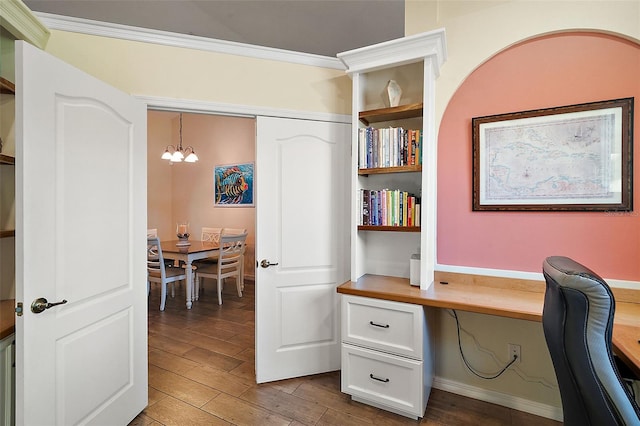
[(564, 159)]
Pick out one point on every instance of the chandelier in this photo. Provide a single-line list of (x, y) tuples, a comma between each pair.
[(179, 154)]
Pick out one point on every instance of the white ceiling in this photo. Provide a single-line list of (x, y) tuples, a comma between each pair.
[(323, 27)]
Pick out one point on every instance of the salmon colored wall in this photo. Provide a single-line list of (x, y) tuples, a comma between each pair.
[(184, 191), (548, 71)]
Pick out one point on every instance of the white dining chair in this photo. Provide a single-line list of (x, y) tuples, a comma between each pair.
[(229, 263), (158, 272), (209, 235), (238, 231)]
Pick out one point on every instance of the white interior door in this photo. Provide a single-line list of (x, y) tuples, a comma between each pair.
[(80, 237), (302, 189)]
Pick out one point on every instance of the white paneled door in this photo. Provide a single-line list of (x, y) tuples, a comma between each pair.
[(302, 245), (80, 238)]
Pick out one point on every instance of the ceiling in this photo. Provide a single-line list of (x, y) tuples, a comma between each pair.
[(323, 27)]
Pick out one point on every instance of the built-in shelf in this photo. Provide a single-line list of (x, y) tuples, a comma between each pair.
[(7, 87), (385, 170), (389, 228), (7, 159), (6, 233), (400, 112)]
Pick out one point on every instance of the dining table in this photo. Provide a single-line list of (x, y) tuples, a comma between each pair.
[(188, 251)]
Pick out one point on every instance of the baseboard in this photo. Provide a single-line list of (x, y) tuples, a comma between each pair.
[(506, 400)]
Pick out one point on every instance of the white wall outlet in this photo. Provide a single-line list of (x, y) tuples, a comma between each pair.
[(514, 350)]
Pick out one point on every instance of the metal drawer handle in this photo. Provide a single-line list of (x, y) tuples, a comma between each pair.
[(379, 325), (378, 378)]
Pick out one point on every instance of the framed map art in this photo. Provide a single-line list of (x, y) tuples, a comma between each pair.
[(569, 158)]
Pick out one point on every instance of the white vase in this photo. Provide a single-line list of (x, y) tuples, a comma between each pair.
[(394, 93)]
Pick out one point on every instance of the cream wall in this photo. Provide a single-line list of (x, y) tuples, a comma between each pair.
[(475, 31), (163, 71)]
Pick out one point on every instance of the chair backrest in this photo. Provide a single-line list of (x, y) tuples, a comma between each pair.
[(152, 232), (155, 260), (234, 231), (578, 321), (211, 234), (231, 250)]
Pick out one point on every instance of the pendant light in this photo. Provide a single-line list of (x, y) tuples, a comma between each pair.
[(179, 154)]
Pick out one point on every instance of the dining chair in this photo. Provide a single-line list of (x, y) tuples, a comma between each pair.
[(159, 272), (209, 235), (229, 263), (153, 232), (238, 231)]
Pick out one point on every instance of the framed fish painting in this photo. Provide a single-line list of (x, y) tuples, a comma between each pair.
[(233, 185)]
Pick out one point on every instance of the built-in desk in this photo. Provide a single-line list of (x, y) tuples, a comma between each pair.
[(505, 297)]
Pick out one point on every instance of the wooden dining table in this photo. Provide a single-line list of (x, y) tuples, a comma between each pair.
[(195, 250)]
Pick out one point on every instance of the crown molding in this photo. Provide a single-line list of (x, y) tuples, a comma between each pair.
[(22, 23), (405, 50), (196, 106), (166, 38)]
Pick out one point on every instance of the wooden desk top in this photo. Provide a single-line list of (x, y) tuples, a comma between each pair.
[(520, 299), (7, 317)]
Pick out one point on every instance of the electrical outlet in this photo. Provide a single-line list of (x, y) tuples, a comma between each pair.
[(514, 350)]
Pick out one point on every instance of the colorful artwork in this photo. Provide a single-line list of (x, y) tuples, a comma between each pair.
[(233, 185)]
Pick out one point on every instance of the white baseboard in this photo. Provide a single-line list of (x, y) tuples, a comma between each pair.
[(506, 400)]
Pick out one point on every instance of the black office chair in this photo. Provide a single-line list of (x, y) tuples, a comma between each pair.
[(578, 321)]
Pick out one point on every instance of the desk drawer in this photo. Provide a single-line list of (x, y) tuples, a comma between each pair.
[(392, 327), (386, 380)]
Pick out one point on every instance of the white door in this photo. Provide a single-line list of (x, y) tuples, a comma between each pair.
[(302, 189), (80, 237)]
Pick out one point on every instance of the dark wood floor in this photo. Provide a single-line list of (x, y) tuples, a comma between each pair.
[(201, 372)]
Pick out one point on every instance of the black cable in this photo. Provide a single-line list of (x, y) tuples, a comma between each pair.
[(515, 358)]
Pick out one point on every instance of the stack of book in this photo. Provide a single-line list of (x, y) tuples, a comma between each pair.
[(388, 208), (389, 147)]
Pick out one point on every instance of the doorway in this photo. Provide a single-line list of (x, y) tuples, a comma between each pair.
[(184, 192)]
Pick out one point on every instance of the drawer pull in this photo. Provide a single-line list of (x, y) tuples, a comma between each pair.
[(378, 325), (378, 378)]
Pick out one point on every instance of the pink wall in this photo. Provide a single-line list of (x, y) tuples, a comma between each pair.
[(548, 71)]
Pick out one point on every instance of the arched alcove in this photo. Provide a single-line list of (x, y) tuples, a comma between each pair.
[(547, 71)]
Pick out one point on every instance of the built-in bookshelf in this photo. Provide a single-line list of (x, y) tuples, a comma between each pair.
[(399, 112), (7, 160), (391, 177), (8, 88), (401, 167)]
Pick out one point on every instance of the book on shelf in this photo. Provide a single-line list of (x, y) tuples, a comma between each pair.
[(389, 147), (366, 207), (388, 208)]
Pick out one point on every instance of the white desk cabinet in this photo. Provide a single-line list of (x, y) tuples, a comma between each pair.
[(387, 359)]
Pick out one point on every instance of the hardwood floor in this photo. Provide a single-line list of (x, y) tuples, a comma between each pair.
[(201, 372)]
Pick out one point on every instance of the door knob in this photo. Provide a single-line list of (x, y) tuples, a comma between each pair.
[(40, 304), (265, 263)]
